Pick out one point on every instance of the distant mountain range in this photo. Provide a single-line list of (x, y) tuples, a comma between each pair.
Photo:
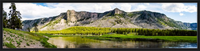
[(191, 26), (114, 18)]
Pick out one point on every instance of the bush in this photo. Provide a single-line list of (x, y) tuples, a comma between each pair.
[(20, 40), (27, 44), (18, 43)]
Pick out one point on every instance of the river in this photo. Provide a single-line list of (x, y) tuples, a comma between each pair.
[(79, 42)]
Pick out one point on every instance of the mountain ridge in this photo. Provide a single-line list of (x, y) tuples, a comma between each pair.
[(115, 18)]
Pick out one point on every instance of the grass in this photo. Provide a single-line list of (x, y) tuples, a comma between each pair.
[(64, 35), (134, 36), (10, 39), (46, 44), (9, 45), (170, 23), (106, 30), (162, 23), (129, 36), (80, 30), (34, 36), (132, 14)]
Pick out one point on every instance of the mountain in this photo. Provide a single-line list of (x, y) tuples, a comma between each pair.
[(114, 18), (191, 26)]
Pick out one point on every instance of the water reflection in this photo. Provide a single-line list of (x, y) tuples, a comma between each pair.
[(84, 46), (78, 42)]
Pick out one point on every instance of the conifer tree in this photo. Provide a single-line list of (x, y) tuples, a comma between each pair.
[(15, 17), (35, 25)]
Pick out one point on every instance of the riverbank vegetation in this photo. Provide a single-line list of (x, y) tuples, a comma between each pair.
[(121, 37), (121, 34), (139, 31)]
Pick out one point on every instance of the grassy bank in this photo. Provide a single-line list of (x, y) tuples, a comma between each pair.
[(122, 37), (32, 36), (134, 36), (65, 35), (119, 37)]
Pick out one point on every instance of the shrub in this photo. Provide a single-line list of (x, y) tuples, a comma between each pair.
[(27, 44), (18, 43), (46, 44), (31, 41), (20, 40)]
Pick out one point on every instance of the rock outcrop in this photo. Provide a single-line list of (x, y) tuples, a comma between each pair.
[(71, 16), (117, 11)]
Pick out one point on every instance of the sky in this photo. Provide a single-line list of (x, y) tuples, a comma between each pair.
[(185, 12)]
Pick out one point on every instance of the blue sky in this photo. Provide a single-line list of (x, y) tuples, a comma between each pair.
[(42, 4), (185, 12)]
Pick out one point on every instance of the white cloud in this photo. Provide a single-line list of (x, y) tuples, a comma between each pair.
[(146, 3), (181, 14), (178, 7), (33, 11), (140, 7), (101, 7), (124, 6), (190, 9)]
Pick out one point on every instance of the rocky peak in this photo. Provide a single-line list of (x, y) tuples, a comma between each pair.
[(117, 11), (71, 15)]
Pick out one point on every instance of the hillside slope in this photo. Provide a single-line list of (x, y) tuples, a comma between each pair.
[(22, 39)]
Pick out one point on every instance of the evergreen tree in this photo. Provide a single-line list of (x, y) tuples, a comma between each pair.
[(15, 17), (28, 29), (35, 25)]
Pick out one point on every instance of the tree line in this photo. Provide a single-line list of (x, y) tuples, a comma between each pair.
[(155, 32)]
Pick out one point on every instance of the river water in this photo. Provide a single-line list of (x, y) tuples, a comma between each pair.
[(79, 42)]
